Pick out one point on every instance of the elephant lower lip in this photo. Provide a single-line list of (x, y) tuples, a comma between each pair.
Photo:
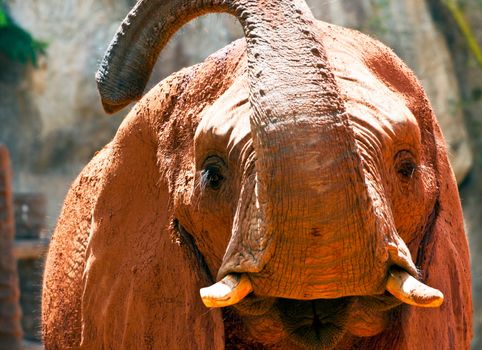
[(319, 324), (320, 336)]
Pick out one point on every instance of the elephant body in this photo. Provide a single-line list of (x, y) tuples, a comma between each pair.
[(135, 242)]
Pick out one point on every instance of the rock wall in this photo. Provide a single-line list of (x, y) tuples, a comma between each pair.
[(19, 118)]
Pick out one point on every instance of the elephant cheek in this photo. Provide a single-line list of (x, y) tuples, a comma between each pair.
[(268, 330), (363, 322)]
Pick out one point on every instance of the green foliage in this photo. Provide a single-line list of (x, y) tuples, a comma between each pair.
[(456, 11), (477, 94), (3, 18), (16, 43)]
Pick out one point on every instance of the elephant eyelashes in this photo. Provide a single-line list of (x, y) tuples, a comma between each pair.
[(405, 165), (211, 175)]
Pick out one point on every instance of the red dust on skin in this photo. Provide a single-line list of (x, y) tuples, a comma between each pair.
[(175, 198)]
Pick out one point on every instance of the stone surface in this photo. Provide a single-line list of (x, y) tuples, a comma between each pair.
[(30, 275), (19, 118)]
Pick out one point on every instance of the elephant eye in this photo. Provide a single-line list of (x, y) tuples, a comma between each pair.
[(405, 165), (212, 173), (212, 177)]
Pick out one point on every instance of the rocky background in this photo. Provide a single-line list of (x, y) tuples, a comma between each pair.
[(53, 122)]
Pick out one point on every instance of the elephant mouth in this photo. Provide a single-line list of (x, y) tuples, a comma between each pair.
[(308, 324), (314, 324), (317, 323)]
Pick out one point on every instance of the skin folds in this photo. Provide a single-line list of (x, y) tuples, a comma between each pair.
[(304, 159)]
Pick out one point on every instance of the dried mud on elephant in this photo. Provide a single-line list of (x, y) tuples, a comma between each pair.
[(301, 168)]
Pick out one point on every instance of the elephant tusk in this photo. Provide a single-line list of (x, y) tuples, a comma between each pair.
[(410, 291), (229, 291)]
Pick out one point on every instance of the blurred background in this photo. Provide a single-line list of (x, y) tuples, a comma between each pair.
[(52, 121)]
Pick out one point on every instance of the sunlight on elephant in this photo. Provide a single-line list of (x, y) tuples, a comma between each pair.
[(301, 168)]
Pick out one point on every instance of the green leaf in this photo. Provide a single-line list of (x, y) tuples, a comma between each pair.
[(16, 43), (3, 18), (464, 26)]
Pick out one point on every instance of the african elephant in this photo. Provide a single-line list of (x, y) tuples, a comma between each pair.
[(301, 168)]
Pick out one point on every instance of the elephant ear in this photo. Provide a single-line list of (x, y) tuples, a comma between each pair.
[(442, 249), (443, 258), (141, 284)]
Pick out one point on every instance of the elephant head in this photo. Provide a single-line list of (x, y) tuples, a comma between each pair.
[(303, 169)]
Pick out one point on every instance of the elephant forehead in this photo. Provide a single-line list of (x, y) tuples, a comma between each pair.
[(373, 104), (225, 125), (376, 111)]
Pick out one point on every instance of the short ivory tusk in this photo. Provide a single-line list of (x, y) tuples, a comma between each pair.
[(229, 291), (410, 291)]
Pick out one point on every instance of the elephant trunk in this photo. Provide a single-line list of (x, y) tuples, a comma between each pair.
[(127, 65), (324, 228), (130, 58)]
